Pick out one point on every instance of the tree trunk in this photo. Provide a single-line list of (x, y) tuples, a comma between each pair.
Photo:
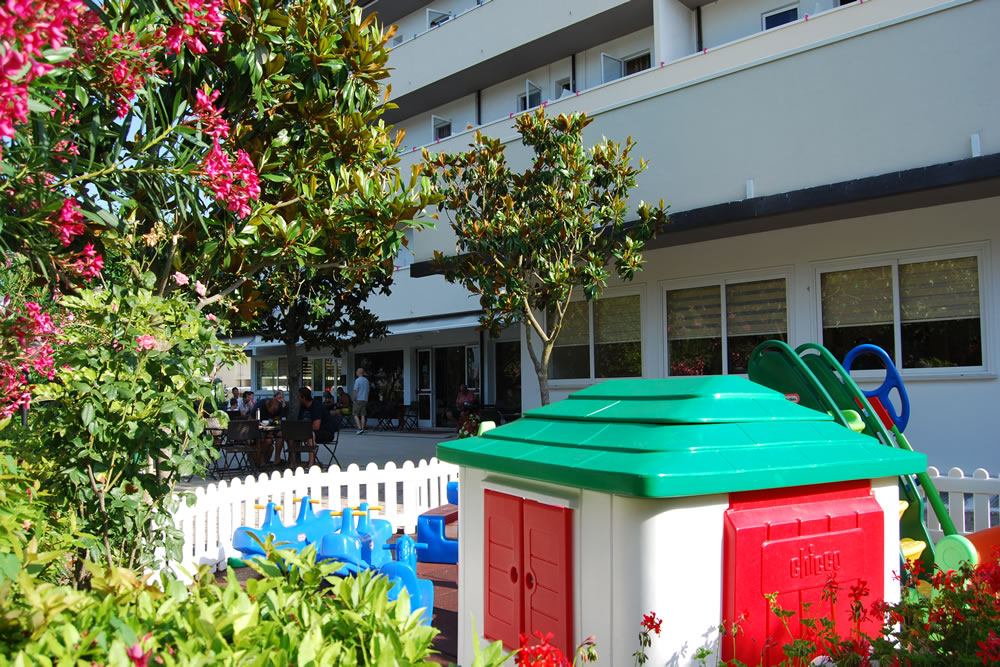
[(294, 376), (543, 384), (541, 364)]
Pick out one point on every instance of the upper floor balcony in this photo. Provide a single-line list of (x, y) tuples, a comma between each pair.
[(484, 44), (861, 90)]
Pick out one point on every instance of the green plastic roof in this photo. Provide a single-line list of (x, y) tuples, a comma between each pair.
[(679, 437)]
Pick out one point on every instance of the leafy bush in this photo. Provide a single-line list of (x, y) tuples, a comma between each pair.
[(121, 419), (305, 617)]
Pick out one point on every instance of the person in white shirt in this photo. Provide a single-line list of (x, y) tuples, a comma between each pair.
[(247, 405), (361, 387)]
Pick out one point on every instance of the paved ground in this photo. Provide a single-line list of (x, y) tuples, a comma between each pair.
[(374, 446)]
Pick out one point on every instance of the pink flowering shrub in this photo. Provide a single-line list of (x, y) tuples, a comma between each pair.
[(27, 335)]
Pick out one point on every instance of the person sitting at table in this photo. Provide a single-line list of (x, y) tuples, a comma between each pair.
[(343, 401), (247, 405), (323, 424), (465, 402), (279, 396), (234, 404), (329, 402), (271, 411)]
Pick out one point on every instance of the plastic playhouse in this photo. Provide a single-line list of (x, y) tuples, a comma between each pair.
[(692, 497), (361, 545)]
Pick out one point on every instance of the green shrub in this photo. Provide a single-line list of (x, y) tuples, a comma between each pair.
[(305, 617)]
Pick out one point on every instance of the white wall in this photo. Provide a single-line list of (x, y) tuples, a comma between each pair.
[(726, 20), (461, 112), (413, 24)]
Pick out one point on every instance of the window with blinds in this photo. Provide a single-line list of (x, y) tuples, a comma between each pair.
[(571, 353), (755, 312), (617, 339), (936, 322), (699, 337), (858, 308), (617, 343), (939, 313), (694, 330)]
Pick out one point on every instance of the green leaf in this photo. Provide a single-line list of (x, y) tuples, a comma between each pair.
[(87, 414)]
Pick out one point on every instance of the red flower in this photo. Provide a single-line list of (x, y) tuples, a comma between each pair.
[(651, 623), (543, 654), (989, 650)]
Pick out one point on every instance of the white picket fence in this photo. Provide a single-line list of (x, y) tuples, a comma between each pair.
[(406, 491), (403, 492), (973, 502)]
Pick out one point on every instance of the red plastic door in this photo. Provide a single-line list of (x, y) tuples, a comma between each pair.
[(794, 542), (503, 554), (548, 573)]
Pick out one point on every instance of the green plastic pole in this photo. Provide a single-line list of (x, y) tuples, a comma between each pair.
[(933, 497)]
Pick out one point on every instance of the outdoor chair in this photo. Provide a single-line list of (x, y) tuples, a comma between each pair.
[(242, 446), (331, 447), (489, 413), (298, 436), (384, 414), (410, 419)]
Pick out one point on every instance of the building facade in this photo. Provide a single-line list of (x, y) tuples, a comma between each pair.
[(833, 172)]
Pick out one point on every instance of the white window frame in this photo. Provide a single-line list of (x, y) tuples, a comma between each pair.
[(592, 379), (434, 15), (634, 56), (440, 121), (765, 15), (557, 87), (979, 250), (621, 67), (721, 280), (526, 96)]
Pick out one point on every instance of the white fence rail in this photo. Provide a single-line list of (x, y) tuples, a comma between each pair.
[(973, 502), (406, 491), (403, 492)]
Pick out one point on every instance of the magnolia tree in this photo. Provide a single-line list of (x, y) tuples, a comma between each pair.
[(527, 240), (158, 161)]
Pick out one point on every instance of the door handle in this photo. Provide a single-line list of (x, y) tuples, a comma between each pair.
[(513, 575), (529, 581)]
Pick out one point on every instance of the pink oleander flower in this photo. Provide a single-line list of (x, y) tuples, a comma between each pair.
[(235, 184), (27, 27), (199, 288), (180, 278), (146, 342), (88, 264), (212, 318), (210, 117), (69, 225)]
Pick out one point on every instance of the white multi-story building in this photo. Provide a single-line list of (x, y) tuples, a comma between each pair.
[(833, 172)]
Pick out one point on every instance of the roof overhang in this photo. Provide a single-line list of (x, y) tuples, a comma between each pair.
[(434, 324), (909, 189)]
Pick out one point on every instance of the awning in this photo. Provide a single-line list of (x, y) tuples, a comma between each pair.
[(442, 323)]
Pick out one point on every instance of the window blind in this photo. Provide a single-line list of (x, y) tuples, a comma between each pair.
[(939, 290), (756, 308), (617, 320), (576, 325), (857, 297), (694, 313)]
